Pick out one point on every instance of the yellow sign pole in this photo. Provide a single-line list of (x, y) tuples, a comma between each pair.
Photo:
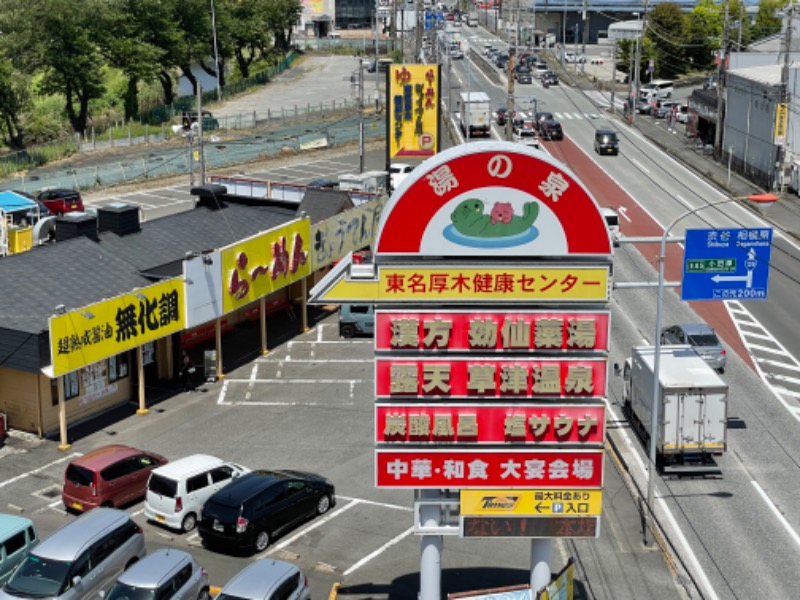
[(62, 415), (140, 378)]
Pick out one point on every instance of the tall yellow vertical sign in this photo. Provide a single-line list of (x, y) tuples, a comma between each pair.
[(781, 118), (413, 111)]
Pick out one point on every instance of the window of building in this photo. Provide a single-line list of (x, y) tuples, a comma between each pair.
[(71, 386), (118, 367)]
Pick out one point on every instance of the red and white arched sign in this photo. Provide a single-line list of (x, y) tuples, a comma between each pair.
[(486, 199)]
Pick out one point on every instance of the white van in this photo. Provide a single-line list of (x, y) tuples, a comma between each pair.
[(658, 89), (177, 491)]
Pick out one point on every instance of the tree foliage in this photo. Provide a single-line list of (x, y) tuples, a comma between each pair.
[(68, 45), (666, 30)]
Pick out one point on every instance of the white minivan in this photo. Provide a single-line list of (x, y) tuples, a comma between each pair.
[(658, 89), (177, 490)]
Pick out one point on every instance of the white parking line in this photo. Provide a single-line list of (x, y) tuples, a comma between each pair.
[(39, 469), (313, 526), (379, 551)]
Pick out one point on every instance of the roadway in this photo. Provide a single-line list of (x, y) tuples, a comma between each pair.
[(750, 504)]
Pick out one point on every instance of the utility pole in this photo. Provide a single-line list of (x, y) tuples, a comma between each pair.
[(723, 55), (613, 75), (420, 27), (638, 62), (510, 99), (201, 150), (392, 27), (785, 158), (585, 36), (361, 118)]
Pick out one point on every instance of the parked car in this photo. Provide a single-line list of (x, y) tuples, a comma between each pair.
[(109, 476), (267, 579), (665, 108), (259, 506), (702, 338), (572, 57), (398, 172), (606, 142), (17, 538), (60, 201), (165, 574), (80, 560), (356, 319), (189, 120), (177, 491), (549, 78), (369, 64), (683, 114)]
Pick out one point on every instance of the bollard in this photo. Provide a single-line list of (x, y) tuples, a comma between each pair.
[(130, 137)]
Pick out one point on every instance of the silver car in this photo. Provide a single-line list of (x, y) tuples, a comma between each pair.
[(164, 574), (80, 560), (267, 579), (702, 338)]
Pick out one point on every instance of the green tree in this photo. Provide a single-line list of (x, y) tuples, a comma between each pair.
[(703, 34), (767, 19), (665, 29), (130, 39), (249, 35), (58, 39), (282, 16), (14, 99)]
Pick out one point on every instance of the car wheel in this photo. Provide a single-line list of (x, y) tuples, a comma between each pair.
[(348, 331), (323, 504), (189, 522), (131, 562), (262, 541), (204, 595)]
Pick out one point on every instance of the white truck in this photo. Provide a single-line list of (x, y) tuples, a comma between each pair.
[(692, 408), (475, 114), (472, 19)]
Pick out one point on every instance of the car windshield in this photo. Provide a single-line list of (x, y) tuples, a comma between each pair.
[(123, 591), (79, 475), (162, 486), (703, 339), (38, 578)]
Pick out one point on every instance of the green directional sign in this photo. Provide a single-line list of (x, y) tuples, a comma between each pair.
[(711, 265)]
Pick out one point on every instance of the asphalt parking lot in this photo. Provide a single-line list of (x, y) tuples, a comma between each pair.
[(307, 405)]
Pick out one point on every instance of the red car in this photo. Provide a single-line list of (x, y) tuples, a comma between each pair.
[(61, 201), (109, 476)]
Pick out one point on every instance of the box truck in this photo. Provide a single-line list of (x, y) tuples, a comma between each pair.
[(475, 113), (692, 408)]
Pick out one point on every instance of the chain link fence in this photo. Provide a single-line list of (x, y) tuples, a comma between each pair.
[(219, 153)]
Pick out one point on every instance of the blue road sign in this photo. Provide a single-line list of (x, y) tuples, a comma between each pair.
[(726, 264)]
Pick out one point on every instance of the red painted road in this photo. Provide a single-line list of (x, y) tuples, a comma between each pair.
[(608, 193)]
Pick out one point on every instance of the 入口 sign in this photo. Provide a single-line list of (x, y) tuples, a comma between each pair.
[(532, 502)]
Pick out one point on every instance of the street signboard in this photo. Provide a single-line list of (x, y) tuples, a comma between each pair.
[(586, 503), (726, 264), (530, 527)]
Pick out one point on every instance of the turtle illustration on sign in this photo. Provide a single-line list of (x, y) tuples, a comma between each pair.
[(500, 227)]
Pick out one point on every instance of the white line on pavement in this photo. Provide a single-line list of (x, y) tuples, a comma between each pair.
[(222, 392), (313, 526), (774, 509), (379, 551), (39, 469)]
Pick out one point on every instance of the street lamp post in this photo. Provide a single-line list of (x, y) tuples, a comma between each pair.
[(765, 199), (637, 58)]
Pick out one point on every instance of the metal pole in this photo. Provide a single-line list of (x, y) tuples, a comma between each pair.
[(510, 98), (216, 51), (613, 76), (721, 80), (637, 59), (430, 567), (361, 117), (541, 556), (564, 32), (200, 134)]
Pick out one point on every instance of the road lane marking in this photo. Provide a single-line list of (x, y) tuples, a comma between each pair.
[(641, 167), (39, 469), (379, 551), (222, 392), (774, 509)]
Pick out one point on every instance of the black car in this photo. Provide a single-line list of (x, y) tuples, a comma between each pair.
[(523, 75), (500, 115), (259, 506), (550, 129), (539, 118), (550, 78), (606, 142)]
